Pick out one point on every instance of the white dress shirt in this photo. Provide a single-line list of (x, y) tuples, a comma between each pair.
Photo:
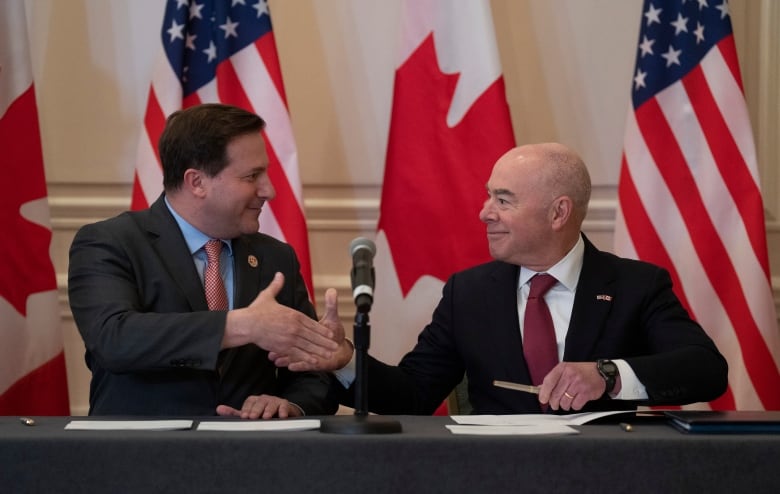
[(560, 301)]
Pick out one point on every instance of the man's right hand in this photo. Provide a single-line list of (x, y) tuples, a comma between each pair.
[(279, 329), (339, 358)]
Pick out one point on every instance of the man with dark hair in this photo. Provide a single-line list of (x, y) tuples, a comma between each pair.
[(158, 342)]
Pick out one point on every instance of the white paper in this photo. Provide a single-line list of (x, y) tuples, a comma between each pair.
[(531, 419), (512, 430), (260, 425), (127, 425)]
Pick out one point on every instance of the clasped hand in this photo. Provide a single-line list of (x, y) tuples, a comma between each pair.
[(280, 329), (337, 359)]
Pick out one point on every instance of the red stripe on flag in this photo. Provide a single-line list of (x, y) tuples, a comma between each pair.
[(729, 52), (138, 199), (154, 122), (266, 46), (729, 160), (229, 87), (191, 100)]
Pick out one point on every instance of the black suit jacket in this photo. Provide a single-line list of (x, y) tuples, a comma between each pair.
[(475, 329), (152, 344)]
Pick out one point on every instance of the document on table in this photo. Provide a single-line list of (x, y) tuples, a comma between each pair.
[(523, 424), (260, 425), (128, 425), (513, 430), (532, 419)]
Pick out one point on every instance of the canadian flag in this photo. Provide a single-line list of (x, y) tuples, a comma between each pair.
[(32, 363), (450, 123)]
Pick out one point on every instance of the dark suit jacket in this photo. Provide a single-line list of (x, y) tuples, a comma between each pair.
[(152, 344), (475, 329)]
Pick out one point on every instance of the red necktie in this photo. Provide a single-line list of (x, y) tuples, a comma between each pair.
[(539, 344), (216, 296)]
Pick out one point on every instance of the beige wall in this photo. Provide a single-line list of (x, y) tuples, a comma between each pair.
[(567, 65)]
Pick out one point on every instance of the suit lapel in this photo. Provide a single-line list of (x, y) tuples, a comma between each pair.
[(502, 321), (592, 304), (167, 240), (247, 263)]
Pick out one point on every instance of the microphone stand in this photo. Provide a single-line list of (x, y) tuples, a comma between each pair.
[(362, 335), (361, 422)]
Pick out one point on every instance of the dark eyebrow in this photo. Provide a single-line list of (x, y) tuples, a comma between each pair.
[(502, 192)]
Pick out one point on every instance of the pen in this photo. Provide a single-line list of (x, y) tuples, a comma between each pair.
[(626, 427), (517, 387)]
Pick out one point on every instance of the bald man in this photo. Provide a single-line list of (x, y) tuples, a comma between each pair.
[(621, 335)]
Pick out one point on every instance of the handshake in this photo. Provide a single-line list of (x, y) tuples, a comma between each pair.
[(292, 339)]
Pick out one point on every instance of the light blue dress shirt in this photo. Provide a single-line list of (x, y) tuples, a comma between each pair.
[(195, 241)]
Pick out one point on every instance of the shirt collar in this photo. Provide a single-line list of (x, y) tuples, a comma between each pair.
[(195, 238), (566, 271)]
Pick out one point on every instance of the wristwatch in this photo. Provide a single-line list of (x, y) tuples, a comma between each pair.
[(609, 372)]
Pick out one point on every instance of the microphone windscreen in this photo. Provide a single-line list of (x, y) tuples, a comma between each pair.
[(362, 243)]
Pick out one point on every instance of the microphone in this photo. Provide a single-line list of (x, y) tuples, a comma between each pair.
[(362, 251)]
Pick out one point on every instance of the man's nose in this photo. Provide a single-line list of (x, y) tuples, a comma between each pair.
[(486, 214), (265, 189)]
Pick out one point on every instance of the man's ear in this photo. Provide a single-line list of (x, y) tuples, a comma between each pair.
[(194, 182), (561, 211)]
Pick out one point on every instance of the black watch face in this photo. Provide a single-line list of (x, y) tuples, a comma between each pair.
[(609, 367)]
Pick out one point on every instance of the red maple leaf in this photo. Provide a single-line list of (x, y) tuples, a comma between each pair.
[(434, 184), (25, 261)]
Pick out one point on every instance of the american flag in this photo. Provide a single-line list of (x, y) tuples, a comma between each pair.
[(224, 51), (33, 380), (689, 194)]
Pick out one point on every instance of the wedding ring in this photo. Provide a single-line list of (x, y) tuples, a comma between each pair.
[(568, 395)]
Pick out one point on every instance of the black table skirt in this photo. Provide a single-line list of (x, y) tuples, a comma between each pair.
[(425, 457)]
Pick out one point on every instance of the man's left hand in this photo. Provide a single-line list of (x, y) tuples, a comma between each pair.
[(262, 406), (570, 385)]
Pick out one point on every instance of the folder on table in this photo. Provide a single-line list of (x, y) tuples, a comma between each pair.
[(725, 422)]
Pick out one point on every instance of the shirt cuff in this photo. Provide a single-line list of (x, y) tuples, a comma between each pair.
[(630, 386), (346, 375)]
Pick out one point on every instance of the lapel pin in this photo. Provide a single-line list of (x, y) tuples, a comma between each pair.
[(252, 260), (608, 298)]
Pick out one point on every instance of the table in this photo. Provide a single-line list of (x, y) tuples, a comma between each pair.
[(425, 457)]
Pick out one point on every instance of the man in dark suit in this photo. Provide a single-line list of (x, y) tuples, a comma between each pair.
[(137, 295), (621, 335)]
